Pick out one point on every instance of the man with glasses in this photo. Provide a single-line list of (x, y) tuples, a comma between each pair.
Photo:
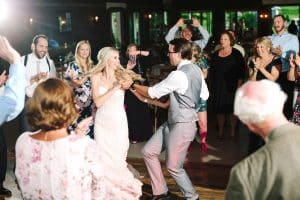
[(175, 135)]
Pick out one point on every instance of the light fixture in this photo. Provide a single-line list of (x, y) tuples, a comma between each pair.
[(3, 10), (31, 20), (96, 18), (264, 15)]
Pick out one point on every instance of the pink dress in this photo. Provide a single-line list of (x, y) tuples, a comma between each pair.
[(111, 135), (66, 168), (69, 168)]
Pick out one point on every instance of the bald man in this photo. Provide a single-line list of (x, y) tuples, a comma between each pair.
[(272, 172)]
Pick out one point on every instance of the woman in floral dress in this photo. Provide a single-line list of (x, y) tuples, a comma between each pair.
[(51, 163), (81, 84)]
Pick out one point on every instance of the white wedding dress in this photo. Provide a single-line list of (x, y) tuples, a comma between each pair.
[(111, 135)]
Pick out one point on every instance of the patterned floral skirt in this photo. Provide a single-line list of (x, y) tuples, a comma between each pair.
[(296, 115)]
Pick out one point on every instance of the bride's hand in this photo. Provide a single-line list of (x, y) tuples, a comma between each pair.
[(116, 85), (126, 84), (126, 81)]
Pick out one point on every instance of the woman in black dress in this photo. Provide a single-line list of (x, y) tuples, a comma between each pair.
[(227, 72), (138, 113)]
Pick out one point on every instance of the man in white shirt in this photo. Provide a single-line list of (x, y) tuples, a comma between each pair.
[(184, 88), (38, 67), (186, 33), (284, 45)]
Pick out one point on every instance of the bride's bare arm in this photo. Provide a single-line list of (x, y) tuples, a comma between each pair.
[(100, 99)]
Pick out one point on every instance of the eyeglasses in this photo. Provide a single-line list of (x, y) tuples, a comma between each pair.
[(171, 52)]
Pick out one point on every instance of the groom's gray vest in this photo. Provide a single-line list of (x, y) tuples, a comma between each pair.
[(183, 107)]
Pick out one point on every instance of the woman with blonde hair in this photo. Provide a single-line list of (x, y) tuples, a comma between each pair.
[(109, 80), (264, 65), (81, 84)]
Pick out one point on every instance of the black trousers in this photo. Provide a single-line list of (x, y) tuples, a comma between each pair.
[(3, 156)]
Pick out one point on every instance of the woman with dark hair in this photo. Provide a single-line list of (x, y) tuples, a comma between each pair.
[(81, 84), (227, 72), (140, 126)]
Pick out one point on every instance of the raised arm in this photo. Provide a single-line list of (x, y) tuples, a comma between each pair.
[(292, 74), (205, 35), (12, 101), (172, 32)]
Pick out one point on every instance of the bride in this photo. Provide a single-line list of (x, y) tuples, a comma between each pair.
[(111, 128)]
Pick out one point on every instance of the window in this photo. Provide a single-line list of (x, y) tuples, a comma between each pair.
[(158, 22), (244, 23), (289, 12), (204, 17), (116, 29), (64, 23), (134, 27)]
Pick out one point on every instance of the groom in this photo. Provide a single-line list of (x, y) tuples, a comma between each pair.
[(175, 135)]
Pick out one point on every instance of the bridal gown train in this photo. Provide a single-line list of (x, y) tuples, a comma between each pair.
[(111, 135)]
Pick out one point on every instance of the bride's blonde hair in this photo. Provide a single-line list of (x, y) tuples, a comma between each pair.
[(103, 55)]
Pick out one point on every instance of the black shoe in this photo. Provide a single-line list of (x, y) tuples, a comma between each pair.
[(5, 192), (166, 196)]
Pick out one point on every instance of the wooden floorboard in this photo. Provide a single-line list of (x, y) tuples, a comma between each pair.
[(209, 180)]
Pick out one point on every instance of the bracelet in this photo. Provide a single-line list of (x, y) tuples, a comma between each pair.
[(146, 100)]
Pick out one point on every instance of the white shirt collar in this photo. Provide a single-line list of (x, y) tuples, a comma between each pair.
[(183, 62), (284, 33)]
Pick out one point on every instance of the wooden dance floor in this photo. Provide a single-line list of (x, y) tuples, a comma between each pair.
[(209, 172)]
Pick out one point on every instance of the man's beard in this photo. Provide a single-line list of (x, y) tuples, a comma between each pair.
[(278, 30), (39, 55)]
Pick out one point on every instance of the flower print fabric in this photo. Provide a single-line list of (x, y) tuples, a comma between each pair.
[(83, 97), (66, 168)]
